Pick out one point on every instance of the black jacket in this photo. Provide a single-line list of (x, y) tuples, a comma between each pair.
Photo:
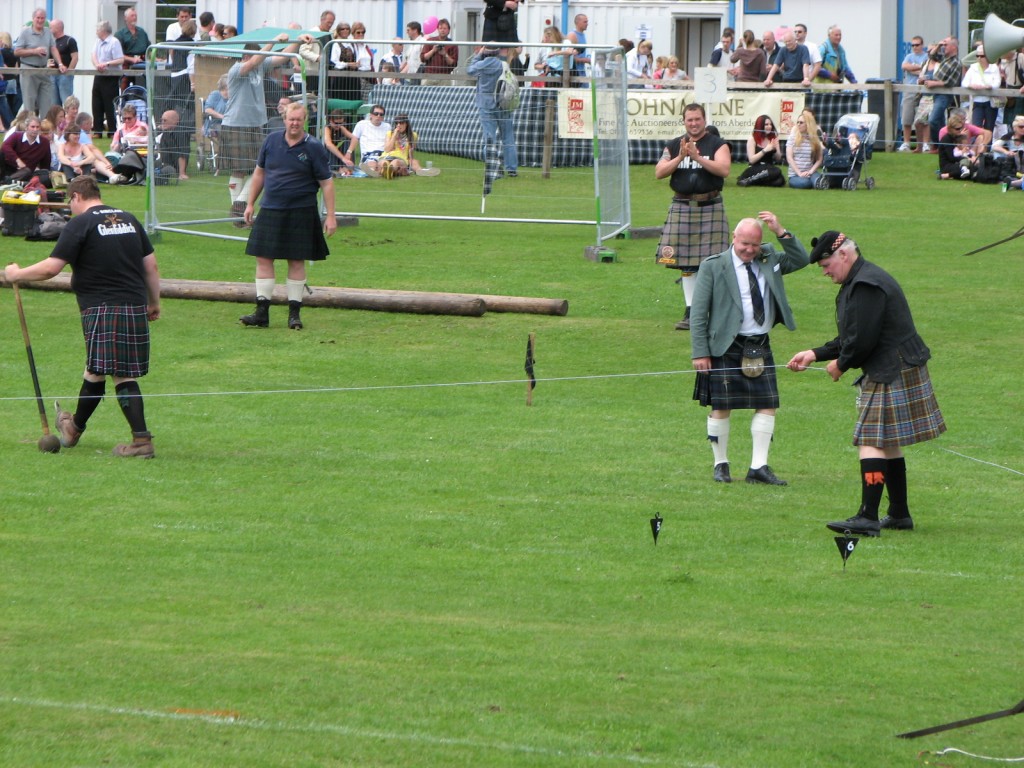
[(876, 330)]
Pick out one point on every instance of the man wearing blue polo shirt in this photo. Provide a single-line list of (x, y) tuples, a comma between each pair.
[(793, 64)]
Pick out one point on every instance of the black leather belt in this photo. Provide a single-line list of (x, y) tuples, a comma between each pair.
[(692, 202)]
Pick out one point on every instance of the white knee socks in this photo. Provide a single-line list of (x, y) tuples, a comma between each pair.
[(295, 288), (762, 427), (718, 436), (264, 287)]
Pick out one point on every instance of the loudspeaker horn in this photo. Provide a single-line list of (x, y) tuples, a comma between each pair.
[(1000, 37)]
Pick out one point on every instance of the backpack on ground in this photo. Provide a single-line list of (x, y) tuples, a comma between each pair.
[(506, 90)]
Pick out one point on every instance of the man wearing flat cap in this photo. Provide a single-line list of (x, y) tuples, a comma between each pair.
[(896, 405), (738, 298)]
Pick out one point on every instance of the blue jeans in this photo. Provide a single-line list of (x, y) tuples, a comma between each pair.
[(937, 119), (801, 182), (63, 86), (496, 121)]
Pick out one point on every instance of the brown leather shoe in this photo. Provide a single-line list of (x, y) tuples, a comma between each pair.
[(141, 447), (66, 429)]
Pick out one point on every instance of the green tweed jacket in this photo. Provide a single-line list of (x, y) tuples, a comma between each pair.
[(716, 313)]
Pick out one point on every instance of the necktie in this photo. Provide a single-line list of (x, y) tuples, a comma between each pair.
[(398, 63), (755, 296)]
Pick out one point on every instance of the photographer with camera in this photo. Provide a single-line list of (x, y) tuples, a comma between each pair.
[(946, 75)]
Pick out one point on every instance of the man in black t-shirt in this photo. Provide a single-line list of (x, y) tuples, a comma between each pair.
[(115, 278)]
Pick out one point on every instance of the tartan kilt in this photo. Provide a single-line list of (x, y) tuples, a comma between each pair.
[(901, 413), (240, 148), (691, 234), (295, 234), (725, 388), (116, 340)]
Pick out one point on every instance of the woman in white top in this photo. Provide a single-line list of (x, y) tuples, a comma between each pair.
[(981, 76), (77, 159), (640, 65)]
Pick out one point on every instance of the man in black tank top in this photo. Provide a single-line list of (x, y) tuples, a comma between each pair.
[(697, 165)]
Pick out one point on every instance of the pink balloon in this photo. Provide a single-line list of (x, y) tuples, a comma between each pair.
[(430, 25)]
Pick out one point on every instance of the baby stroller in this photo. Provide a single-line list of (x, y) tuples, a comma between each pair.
[(131, 163), (847, 151), (135, 95)]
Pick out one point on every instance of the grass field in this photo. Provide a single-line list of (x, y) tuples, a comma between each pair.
[(355, 549)]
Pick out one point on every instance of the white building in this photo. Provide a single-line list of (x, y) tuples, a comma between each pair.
[(875, 32)]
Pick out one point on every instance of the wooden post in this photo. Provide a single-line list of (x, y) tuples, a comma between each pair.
[(549, 137)]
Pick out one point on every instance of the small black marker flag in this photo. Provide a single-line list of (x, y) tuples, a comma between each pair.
[(846, 546), (528, 366), (656, 527)]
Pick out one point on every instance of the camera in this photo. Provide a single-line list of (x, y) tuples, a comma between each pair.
[(937, 52)]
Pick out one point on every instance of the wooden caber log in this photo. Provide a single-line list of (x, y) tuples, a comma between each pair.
[(415, 302)]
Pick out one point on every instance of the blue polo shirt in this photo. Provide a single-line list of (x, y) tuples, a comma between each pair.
[(292, 175), (791, 63)]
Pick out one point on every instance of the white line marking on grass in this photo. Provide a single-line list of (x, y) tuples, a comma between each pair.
[(342, 730)]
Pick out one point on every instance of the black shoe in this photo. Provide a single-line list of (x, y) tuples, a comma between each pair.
[(905, 523), (764, 475), (857, 524), (722, 473), (294, 321), (261, 317)]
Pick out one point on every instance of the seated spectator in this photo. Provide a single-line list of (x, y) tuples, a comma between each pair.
[(793, 64), (971, 142), (83, 122), (1012, 145), (753, 66), (981, 76), (46, 132), (335, 137), (133, 133), (172, 144), (78, 159), (804, 152), (388, 70), (72, 106), (764, 155), (56, 116), (26, 151), (18, 123), (369, 136), (640, 65), (554, 60), (671, 73), (400, 148)]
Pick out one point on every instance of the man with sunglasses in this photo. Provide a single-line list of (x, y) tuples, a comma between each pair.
[(369, 135), (912, 65)]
